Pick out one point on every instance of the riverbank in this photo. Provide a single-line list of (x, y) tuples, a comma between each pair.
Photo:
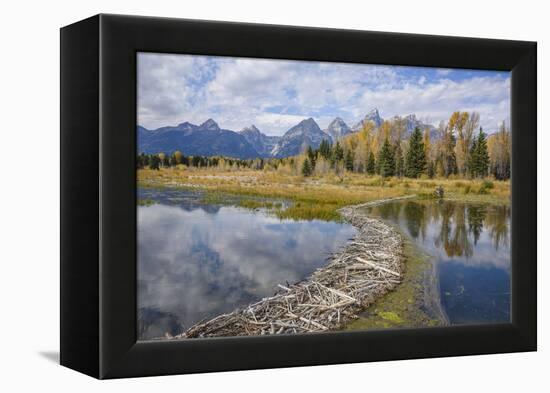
[(369, 266), (318, 197)]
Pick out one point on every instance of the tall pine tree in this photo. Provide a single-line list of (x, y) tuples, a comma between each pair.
[(479, 161), (371, 164), (386, 160), (415, 161), (154, 162), (324, 149), (312, 155), (306, 168), (449, 157), (337, 153)]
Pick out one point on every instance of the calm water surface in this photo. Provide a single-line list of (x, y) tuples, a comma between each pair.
[(197, 260), (470, 245)]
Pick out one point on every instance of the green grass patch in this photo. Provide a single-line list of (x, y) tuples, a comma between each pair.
[(390, 316), (145, 202), (310, 211)]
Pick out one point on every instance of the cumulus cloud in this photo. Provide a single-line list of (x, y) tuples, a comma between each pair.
[(276, 94)]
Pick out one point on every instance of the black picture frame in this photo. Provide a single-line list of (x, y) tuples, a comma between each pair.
[(98, 195)]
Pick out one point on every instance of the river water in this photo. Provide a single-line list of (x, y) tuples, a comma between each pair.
[(197, 260), (470, 249)]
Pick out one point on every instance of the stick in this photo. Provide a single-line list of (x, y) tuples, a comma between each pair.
[(378, 267)]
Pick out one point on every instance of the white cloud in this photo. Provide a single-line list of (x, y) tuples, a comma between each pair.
[(437, 100), (275, 95)]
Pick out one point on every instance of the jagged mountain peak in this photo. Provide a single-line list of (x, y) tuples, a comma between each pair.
[(305, 125), (252, 129), (296, 139), (338, 128), (210, 125), (186, 126), (262, 143), (373, 112), (336, 121), (373, 116)]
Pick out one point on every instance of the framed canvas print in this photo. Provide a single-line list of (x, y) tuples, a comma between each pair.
[(238, 196)]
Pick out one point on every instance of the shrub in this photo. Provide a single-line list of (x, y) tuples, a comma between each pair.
[(483, 190)]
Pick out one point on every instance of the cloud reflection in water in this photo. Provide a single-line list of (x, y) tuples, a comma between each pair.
[(194, 264)]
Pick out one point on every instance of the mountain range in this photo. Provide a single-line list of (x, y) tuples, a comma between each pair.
[(208, 139), (373, 116), (262, 143), (338, 129), (298, 138)]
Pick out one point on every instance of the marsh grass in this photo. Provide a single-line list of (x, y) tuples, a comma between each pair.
[(316, 197), (145, 202)]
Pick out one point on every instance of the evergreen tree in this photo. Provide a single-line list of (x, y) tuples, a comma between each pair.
[(386, 160), (306, 168), (371, 164), (324, 149), (139, 161), (337, 153), (479, 162), (144, 159), (416, 156), (154, 162), (312, 155), (472, 167), (449, 161), (399, 163), (196, 161), (349, 161)]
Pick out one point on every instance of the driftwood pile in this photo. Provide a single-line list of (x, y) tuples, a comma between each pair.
[(366, 268)]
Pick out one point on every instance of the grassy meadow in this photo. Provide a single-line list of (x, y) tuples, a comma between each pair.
[(316, 197)]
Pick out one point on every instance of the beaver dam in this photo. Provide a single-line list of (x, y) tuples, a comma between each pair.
[(370, 265)]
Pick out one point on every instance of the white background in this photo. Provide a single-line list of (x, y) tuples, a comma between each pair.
[(29, 178)]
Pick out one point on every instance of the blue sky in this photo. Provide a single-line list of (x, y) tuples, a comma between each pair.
[(274, 95)]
